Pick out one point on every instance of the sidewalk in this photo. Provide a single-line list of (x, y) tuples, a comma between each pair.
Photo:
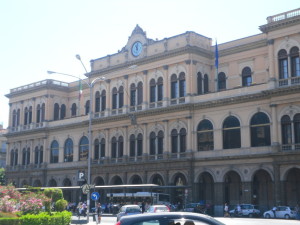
[(83, 220)]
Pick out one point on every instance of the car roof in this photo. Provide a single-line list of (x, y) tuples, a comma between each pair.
[(168, 215), (158, 205), (130, 206)]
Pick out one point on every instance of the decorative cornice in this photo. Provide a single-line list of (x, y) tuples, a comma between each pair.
[(280, 24)]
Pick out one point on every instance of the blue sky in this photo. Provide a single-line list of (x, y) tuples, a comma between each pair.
[(41, 35)]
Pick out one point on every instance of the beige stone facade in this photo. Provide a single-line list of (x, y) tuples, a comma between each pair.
[(164, 114)]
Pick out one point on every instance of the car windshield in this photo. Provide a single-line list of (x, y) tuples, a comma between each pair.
[(132, 210)]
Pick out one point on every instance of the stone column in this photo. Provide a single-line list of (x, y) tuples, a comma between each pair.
[(274, 127), (272, 78), (145, 90), (219, 199), (126, 94), (277, 189), (188, 80), (108, 98), (190, 134), (166, 84)]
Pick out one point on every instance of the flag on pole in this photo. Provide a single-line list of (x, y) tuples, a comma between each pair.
[(216, 65), (216, 56), (80, 90)]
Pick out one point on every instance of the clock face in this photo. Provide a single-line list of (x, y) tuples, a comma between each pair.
[(136, 49)]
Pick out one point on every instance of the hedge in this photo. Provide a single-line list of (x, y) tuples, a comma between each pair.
[(59, 218)]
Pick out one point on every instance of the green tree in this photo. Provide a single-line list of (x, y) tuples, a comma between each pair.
[(2, 176)]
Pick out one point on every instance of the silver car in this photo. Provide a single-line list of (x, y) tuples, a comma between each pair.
[(169, 218), (127, 210)]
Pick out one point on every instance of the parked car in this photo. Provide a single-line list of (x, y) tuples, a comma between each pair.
[(247, 210), (190, 207), (126, 210), (282, 212), (158, 208), (169, 218)]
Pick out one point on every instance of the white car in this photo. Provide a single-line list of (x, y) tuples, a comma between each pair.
[(247, 210), (282, 212)]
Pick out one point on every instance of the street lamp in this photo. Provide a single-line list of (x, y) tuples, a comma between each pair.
[(90, 84)]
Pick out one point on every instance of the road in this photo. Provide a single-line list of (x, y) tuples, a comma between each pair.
[(227, 221)]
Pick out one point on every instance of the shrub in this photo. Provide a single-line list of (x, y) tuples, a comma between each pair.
[(60, 205)]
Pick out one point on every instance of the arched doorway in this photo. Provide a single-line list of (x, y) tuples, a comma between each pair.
[(262, 190), (52, 183), (292, 187), (37, 183), (67, 193), (178, 194), (100, 182), (232, 188), (206, 189)]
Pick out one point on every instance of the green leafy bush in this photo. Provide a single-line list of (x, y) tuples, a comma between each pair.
[(60, 205)]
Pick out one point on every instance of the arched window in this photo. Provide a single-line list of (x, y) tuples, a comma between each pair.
[(132, 95), (135, 145), (18, 117), (99, 148), (14, 120), (221, 81), (295, 62), (56, 111), (199, 83), (54, 152), (26, 156), (62, 111), (103, 101), (97, 102), (14, 157), (231, 133), (140, 93), (283, 64), (156, 90), (182, 85), (152, 143), (174, 86), (121, 97), (205, 136), (118, 98), (38, 113), (83, 148), (290, 131), (87, 107), (178, 140), (68, 150), (117, 146), (286, 130), (297, 128), (114, 98), (246, 77), (38, 155), (73, 109), (206, 85), (26, 113), (160, 142), (260, 130)]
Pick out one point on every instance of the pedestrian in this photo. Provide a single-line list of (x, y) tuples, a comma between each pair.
[(143, 206), (226, 214), (99, 211)]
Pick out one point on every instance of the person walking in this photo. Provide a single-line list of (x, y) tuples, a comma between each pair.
[(297, 210), (274, 211), (99, 212), (226, 213)]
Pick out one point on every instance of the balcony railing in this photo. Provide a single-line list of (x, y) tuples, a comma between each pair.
[(283, 16), (289, 81), (290, 147)]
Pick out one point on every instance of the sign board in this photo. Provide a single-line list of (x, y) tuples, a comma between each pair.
[(81, 176), (85, 188), (95, 196)]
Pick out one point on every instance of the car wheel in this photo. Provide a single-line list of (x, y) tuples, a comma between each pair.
[(267, 216), (286, 216), (250, 215)]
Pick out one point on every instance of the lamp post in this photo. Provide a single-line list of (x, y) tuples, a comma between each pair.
[(90, 84)]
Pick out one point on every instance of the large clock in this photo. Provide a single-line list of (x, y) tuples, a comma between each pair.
[(137, 48)]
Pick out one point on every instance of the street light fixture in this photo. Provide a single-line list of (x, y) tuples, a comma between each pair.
[(90, 84)]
